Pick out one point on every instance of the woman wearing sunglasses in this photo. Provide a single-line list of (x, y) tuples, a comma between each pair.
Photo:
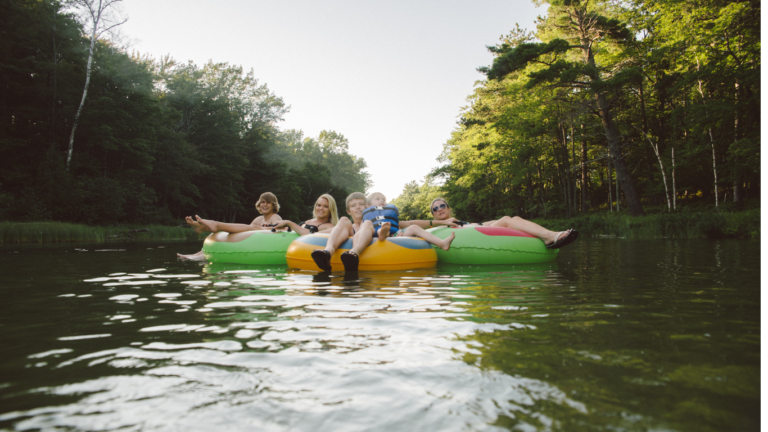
[(441, 213)]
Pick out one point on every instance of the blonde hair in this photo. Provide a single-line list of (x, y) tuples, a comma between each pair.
[(331, 208), (354, 196), (270, 198), (438, 199), (374, 195)]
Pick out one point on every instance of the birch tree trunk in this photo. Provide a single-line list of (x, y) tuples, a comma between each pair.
[(96, 12), (674, 187), (711, 138), (655, 148)]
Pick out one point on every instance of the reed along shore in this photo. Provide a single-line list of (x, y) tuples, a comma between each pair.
[(60, 232)]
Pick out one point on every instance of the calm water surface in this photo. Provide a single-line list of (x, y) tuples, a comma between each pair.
[(632, 335)]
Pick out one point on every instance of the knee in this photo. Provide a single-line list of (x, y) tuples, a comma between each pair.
[(512, 218), (412, 230), (366, 224)]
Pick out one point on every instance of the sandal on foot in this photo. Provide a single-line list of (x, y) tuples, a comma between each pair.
[(559, 242), (350, 261), (322, 258)]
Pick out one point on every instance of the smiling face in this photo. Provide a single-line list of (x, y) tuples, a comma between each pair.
[(443, 212), (265, 207), (355, 209), (322, 209)]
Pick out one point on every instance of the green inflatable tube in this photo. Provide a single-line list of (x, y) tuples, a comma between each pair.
[(250, 247), (492, 245)]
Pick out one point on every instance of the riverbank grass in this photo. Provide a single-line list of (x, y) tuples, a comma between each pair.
[(60, 232), (743, 224)]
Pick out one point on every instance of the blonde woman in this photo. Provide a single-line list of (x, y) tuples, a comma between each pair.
[(325, 218)]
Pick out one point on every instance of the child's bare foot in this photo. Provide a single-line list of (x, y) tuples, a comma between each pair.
[(384, 231), (195, 225), (208, 224), (446, 243)]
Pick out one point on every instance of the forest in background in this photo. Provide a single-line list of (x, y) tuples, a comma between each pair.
[(157, 139), (607, 108), (636, 107)]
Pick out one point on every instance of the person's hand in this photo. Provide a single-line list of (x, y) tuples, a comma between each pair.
[(280, 225), (450, 222)]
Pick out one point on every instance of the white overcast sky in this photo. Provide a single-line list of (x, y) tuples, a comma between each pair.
[(391, 76)]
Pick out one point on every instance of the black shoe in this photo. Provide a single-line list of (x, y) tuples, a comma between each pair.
[(569, 237), (350, 260), (322, 258)]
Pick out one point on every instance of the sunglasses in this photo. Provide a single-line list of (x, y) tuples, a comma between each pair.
[(441, 206)]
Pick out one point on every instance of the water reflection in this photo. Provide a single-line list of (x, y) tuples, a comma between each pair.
[(610, 337)]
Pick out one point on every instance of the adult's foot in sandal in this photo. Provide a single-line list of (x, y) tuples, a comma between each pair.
[(350, 260), (564, 238), (322, 258)]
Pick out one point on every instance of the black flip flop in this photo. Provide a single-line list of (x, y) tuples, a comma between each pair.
[(350, 261), (322, 258), (565, 241)]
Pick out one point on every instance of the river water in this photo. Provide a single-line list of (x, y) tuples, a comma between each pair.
[(631, 335)]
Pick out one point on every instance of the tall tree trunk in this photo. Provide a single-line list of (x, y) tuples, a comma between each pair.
[(567, 171), (53, 101), (575, 189), (711, 138), (674, 187), (584, 179), (618, 197), (655, 148), (85, 93), (610, 197), (736, 182), (604, 112), (98, 12), (614, 148)]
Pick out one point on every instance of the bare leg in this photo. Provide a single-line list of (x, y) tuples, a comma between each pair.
[(527, 227), (214, 226), (339, 234), (197, 226), (193, 257), (384, 231), (363, 238), (417, 231)]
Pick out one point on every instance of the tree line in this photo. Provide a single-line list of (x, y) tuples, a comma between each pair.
[(637, 106), (156, 139)]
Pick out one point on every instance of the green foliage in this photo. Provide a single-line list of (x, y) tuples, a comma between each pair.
[(632, 84), (58, 232), (156, 141), (414, 202), (744, 224)]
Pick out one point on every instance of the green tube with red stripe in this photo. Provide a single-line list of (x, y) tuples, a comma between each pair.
[(492, 245)]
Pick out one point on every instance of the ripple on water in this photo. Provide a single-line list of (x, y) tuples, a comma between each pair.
[(500, 349)]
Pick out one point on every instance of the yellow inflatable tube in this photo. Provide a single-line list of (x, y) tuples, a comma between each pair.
[(398, 253)]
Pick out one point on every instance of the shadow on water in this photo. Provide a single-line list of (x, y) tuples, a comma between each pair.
[(628, 335)]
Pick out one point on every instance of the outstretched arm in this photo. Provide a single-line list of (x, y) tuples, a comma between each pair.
[(294, 226), (214, 226), (426, 224)]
